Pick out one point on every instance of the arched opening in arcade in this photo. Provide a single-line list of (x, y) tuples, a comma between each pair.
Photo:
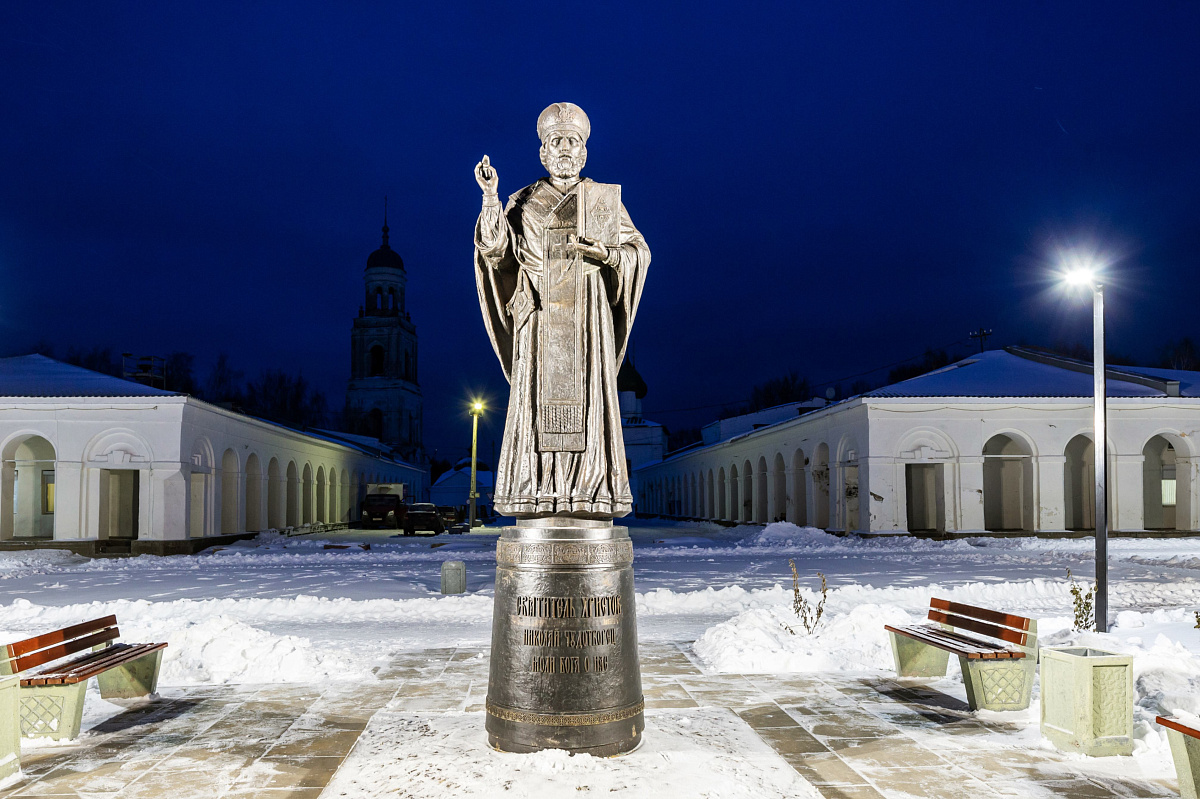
[(27, 493), (820, 478), (799, 513), (735, 507), (229, 493), (747, 492), (306, 495), (1079, 484), (320, 517), (1007, 484), (1165, 487), (293, 495)]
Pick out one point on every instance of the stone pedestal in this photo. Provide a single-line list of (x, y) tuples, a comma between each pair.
[(564, 662)]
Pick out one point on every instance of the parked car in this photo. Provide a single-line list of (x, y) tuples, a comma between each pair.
[(383, 510), (423, 516), (450, 515)]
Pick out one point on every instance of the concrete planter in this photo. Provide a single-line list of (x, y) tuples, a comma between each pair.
[(10, 728), (1087, 700)]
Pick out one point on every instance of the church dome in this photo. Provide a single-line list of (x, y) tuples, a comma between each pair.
[(628, 379), (385, 257)]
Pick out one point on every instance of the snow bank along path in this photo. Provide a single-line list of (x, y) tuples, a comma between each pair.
[(277, 610)]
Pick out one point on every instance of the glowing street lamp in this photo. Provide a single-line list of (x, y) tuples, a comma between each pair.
[(1085, 274), (476, 412)]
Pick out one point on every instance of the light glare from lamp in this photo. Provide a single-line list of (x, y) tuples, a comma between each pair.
[(1080, 276)]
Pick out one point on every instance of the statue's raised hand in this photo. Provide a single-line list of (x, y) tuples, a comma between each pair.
[(486, 177)]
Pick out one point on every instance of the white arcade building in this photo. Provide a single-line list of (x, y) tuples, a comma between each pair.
[(1001, 442), (99, 464)]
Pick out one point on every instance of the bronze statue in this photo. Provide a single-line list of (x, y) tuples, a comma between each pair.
[(560, 271)]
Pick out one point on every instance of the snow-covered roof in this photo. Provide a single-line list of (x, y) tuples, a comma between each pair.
[(39, 376), (1021, 372), (483, 479)]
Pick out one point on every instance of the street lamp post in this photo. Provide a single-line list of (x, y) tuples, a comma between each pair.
[(476, 411), (1086, 277)]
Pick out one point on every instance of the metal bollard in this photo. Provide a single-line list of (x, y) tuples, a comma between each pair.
[(454, 577)]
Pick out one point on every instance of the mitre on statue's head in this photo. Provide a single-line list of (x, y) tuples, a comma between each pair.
[(559, 116)]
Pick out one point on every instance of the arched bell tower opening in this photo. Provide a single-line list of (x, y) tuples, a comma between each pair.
[(383, 398)]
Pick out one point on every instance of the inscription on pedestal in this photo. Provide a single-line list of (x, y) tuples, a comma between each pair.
[(605, 608)]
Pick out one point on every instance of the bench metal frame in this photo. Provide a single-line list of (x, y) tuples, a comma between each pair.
[(998, 674), (10, 728), (51, 700), (1185, 751)]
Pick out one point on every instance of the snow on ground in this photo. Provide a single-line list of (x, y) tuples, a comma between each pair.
[(697, 752), (290, 610)]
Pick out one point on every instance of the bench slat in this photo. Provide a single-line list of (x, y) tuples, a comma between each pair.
[(44, 656), (961, 645), (941, 639), (94, 663), (981, 627), (1178, 726), (18, 648), (81, 671), (970, 611)]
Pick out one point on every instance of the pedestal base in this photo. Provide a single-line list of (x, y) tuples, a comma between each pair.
[(564, 665)]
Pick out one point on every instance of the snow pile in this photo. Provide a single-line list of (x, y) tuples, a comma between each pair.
[(786, 534), (223, 640), (224, 650), (773, 640), (22, 563), (696, 752)]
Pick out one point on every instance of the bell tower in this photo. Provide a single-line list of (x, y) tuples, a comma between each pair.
[(383, 395)]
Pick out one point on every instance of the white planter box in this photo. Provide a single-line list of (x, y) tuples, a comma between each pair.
[(10, 728), (1087, 700)]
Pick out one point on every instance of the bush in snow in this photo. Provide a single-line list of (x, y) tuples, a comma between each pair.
[(1085, 617), (808, 614)]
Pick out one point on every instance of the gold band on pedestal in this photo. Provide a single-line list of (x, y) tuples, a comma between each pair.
[(560, 553), (565, 719)]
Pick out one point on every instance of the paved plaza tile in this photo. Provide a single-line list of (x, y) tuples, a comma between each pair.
[(850, 737)]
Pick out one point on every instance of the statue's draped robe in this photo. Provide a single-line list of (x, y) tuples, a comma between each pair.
[(510, 261)]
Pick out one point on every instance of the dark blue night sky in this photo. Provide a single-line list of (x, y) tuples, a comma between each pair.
[(825, 187)]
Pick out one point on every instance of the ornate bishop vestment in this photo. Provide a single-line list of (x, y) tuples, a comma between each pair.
[(560, 335)]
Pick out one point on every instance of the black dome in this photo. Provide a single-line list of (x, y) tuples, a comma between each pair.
[(385, 257), (628, 379)]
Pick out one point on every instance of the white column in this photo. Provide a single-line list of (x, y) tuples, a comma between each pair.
[(970, 494), (168, 503), (837, 496), (1185, 492), (1051, 511), (145, 525), (881, 494), (1126, 503)]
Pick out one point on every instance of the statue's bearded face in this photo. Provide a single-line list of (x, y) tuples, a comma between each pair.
[(564, 153)]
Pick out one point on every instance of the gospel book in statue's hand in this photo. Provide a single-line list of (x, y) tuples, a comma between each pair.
[(600, 212)]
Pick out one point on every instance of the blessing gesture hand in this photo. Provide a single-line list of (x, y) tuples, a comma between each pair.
[(486, 177)]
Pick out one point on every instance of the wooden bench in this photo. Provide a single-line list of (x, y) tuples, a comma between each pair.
[(1185, 751), (51, 698), (997, 669)]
